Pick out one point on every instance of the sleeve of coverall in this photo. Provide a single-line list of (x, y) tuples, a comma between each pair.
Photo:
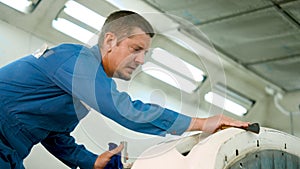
[(63, 146), (87, 81)]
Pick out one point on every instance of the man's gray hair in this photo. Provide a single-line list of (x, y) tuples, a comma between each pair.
[(121, 23)]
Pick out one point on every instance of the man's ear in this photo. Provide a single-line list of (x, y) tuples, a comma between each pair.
[(110, 40)]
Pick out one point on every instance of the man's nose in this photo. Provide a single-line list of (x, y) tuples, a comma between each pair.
[(140, 58)]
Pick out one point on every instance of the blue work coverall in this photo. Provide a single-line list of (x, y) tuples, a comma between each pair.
[(41, 102)]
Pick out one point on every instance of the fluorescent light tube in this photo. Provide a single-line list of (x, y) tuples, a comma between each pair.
[(84, 14), (225, 103), (72, 30), (233, 95), (177, 64), (20, 5), (168, 77)]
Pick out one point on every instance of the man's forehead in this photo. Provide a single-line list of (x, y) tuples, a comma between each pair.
[(137, 31)]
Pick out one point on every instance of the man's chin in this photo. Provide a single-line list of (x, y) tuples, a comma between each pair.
[(123, 77), (127, 79)]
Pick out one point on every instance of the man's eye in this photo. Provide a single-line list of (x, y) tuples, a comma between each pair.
[(133, 49), (137, 49)]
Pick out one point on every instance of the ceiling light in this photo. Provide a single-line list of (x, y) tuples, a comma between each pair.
[(168, 77), (229, 99), (84, 14), (177, 64), (225, 103), (233, 95), (25, 6), (73, 30)]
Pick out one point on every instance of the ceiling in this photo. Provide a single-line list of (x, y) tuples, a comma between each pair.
[(261, 35)]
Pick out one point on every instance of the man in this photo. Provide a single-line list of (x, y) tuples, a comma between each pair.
[(44, 96)]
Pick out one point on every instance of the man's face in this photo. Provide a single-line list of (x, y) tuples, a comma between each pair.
[(128, 54)]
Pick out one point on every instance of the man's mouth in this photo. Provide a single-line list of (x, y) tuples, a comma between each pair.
[(133, 68)]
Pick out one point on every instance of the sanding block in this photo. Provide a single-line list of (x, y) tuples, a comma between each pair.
[(254, 127)]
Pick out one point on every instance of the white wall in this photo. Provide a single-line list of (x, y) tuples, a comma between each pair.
[(15, 43)]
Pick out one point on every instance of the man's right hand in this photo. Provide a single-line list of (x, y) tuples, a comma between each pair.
[(214, 123)]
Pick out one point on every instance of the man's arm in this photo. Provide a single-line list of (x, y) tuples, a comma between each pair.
[(63, 146), (89, 83), (214, 123)]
